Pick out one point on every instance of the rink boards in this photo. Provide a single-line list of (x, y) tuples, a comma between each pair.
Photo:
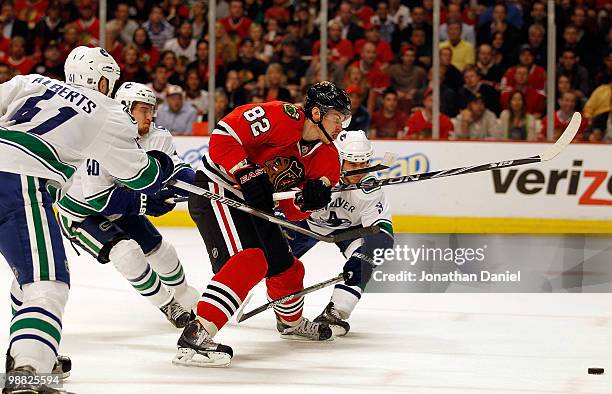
[(570, 194)]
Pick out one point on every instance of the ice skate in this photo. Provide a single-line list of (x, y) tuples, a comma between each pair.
[(175, 313), (332, 317), (62, 367), (196, 348), (305, 330), (26, 372)]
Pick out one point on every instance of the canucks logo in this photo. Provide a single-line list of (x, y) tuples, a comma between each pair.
[(291, 111)]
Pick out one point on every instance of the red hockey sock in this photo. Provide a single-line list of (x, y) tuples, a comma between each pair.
[(228, 288), (288, 282)]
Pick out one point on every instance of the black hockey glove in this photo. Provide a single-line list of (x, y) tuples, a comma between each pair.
[(166, 165), (156, 205), (256, 187), (315, 195)]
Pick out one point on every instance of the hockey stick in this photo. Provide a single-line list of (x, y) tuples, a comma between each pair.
[(386, 162), (241, 316), (549, 154), (332, 238)]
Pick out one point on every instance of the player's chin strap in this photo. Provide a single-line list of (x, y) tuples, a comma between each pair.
[(320, 124)]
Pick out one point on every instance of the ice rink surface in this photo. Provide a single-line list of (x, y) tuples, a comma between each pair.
[(407, 343)]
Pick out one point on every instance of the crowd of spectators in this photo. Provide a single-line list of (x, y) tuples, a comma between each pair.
[(493, 58)]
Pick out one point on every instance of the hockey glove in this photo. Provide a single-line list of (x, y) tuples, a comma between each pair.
[(315, 195), (166, 165), (156, 204), (186, 175), (256, 187), (128, 202)]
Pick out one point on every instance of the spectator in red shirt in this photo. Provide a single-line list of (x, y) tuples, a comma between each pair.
[(537, 74), (148, 55), (388, 122), (31, 11), (88, 25), (201, 64), (535, 101), (362, 11), (278, 11), (341, 50), (16, 57), (383, 50), (567, 107), (378, 80), (236, 23), (372, 68), (419, 125)]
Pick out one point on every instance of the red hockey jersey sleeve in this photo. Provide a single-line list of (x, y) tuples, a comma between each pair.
[(250, 130)]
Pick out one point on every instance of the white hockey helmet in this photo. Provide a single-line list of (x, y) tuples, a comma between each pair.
[(132, 92), (354, 146), (86, 66)]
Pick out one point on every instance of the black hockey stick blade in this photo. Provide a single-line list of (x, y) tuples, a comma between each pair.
[(352, 234), (240, 317), (550, 153), (355, 233), (385, 164)]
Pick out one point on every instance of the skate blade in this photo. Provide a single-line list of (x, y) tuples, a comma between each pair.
[(338, 331), (191, 358), (299, 338)]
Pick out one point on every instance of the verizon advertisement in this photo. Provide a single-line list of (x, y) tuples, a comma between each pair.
[(577, 184)]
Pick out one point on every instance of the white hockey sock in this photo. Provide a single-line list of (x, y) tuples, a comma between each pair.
[(128, 258), (16, 297), (36, 328), (165, 262), (345, 298)]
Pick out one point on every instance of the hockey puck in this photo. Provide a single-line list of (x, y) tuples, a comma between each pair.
[(596, 371)]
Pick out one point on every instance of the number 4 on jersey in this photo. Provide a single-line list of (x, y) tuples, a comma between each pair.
[(257, 127)]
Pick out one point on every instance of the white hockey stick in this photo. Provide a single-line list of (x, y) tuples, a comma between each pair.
[(549, 154)]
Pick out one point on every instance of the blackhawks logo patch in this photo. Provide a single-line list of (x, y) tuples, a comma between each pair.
[(291, 111), (284, 172)]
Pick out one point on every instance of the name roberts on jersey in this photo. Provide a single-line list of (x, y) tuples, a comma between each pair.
[(63, 91)]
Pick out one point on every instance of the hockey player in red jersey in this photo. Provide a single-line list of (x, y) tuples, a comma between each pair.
[(256, 150)]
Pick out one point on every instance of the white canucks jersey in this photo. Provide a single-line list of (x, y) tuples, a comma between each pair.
[(360, 207), (48, 128), (93, 185)]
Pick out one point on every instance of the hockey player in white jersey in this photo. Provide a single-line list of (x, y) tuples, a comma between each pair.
[(47, 129), (350, 209), (108, 221)]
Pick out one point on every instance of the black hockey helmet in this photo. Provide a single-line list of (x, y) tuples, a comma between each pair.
[(326, 96)]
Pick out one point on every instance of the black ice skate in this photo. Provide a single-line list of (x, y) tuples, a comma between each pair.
[(62, 367), (196, 348), (305, 331), (331, 317), (175, 313)]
